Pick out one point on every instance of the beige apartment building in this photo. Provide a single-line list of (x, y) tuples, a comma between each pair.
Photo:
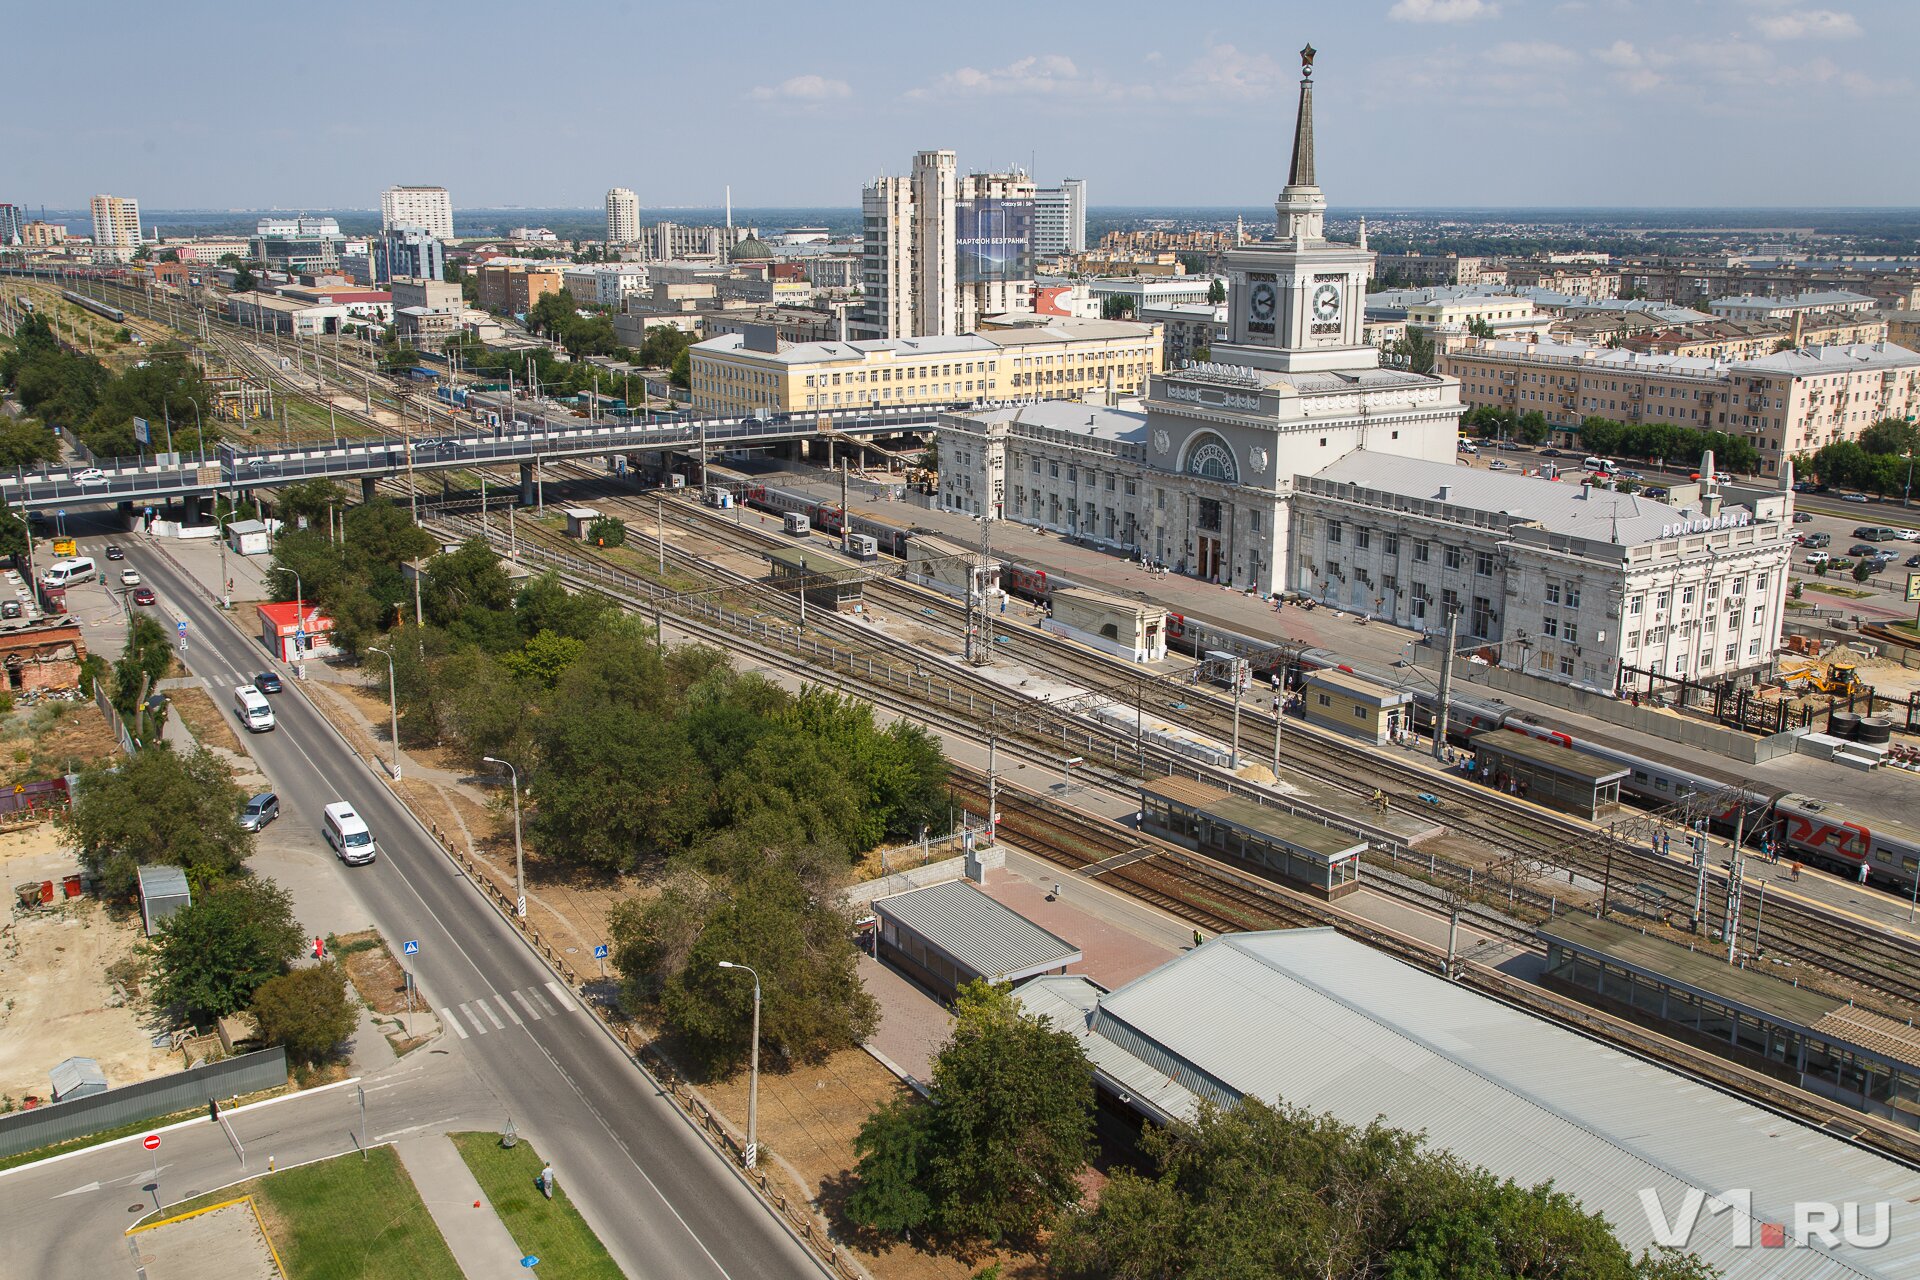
[(1786, 403), (513, 288), (1595, 284), (1060, 360)]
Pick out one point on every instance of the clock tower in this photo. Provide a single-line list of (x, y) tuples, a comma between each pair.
[(1297, 301)]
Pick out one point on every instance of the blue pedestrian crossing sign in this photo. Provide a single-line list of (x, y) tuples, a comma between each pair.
[(181, 626), (410, 947), (601, 952)]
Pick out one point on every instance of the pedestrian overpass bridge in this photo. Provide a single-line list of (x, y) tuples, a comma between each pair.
[(525, 437)]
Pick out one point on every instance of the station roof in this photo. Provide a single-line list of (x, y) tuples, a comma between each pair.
[(1570, 761), (1129, 606), (1692, 971), (977, 933), (1358, 686), (1258, 820), (1316, 1020)]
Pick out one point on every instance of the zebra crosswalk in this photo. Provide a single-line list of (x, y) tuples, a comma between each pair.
[(493, 1012)]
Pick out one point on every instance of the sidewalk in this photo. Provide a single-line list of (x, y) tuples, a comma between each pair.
[(479, 1240)]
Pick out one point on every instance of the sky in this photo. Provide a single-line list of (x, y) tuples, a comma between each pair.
[(1419, 103)]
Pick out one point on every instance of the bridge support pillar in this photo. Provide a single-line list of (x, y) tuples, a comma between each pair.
[(366, 488), (526, 484)]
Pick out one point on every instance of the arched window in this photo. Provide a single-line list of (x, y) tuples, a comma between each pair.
[(1211, 458)]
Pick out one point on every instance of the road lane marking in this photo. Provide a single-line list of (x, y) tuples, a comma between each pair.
[(487, 1009), (524, 1004), (560, 994), (542, 1002), (446, 1016), (506, 1009)]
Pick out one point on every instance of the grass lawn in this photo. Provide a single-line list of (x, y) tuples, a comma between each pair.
[(552, 1230), (345, 1219)]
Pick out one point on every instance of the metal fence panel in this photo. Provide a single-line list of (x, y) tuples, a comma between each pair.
[(59, 1121)]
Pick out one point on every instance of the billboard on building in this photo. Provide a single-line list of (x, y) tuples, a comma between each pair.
[(992, 240)]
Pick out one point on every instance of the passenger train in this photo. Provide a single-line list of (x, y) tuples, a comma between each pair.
[(1814, 831)]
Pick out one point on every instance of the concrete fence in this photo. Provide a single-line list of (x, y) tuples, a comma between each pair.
[(181, 1091)]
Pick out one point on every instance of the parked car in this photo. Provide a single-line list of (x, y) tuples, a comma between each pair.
[(10, 609), (267, 682), (260, 810), (1907, 535), (1818, 557), (1875, 533), (1913, 561), (1803, 486), (143, 595), (1802, 517), (115, 553), (1863, 549), (1657, 492), (1817, 539)]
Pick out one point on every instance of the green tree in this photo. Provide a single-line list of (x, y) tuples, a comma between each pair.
[(893, 1150), (311, 502), (212, 955), (1414, 351), (1891, 436), (544, 658), (1479, 327), (1007, 1133), (776, 910), (1217, 292), (144, 662), (553, 314), (682, 375), (1532, 427), (607, 531), (244, 281), (615, 789), (1862, 570), (170, 255), (1117, 306), (1601, 436), (159, 808), (307, 1012)]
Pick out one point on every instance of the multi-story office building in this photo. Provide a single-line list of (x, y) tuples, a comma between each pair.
[(673, 241), (1060, 219), (116, 226), (1786, 403), (941, 251), (13, 224), (1188, 329), (511, 288), (623, 216), (299, 246), (1592, 283), (1062, 359), (426, 311), (430, 208), (1448, 312), (605, 284), (408, 252)]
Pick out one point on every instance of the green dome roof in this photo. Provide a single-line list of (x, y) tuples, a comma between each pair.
[(751, 248)]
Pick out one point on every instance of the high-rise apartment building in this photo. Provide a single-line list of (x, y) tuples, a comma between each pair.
[(12, 226), (116, 224), (429, 208), (1060, 219), (623, 216), (942, 251)]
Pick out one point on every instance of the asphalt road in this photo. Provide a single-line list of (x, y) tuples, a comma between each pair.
[(66, 1217), (664, 1204)]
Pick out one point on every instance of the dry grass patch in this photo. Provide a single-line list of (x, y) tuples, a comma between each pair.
[(204, 718)]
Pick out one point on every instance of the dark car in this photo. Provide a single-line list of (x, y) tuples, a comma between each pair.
[(10, 609), (1802, 517), (1863, 549), (143, 595), (267, 682), (1551, 453), (1657, 492), (1913, 562), (115, 553)]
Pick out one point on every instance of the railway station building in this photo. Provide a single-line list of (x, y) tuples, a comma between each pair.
[(1547, 773), (1311, 1019), (1306, 854), (947, 935)]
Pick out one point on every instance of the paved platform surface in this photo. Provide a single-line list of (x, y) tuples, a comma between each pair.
[(225, 1242), (479, 1240)]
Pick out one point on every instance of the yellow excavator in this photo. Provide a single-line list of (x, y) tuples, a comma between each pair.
[(1840, 680)]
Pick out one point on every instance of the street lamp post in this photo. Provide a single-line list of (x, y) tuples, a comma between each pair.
[(753, 1070), (519, 861), (393, 707)]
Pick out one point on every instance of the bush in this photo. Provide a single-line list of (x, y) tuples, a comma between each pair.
[(1862, 571), (212, 956), (306, 1012), (607, 531)]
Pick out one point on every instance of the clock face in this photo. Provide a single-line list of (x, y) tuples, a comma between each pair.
[(1260, 302), (1326, 303)]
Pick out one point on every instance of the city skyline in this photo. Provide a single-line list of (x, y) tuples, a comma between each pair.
[(1423, 103)]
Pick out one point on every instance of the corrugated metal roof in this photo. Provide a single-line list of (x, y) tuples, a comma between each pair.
[(1316, 1020), (163, 882), (975, 932), (73, 1073)]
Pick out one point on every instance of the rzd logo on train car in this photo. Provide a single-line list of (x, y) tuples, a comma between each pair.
[(1848, 839)]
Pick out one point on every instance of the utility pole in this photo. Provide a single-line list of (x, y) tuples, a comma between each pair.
[(1279, 720), (1698, 840), (703, 459), (1239, 686), (1446, 686), (1736, 878), (660, 530), (846, 517)]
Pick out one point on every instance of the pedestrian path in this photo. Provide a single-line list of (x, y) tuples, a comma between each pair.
[(496, 1012), (479, 1240)]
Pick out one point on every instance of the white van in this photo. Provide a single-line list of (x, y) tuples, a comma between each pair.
[(64, 573), (348, 834), (1601, 465), (252, 707)]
